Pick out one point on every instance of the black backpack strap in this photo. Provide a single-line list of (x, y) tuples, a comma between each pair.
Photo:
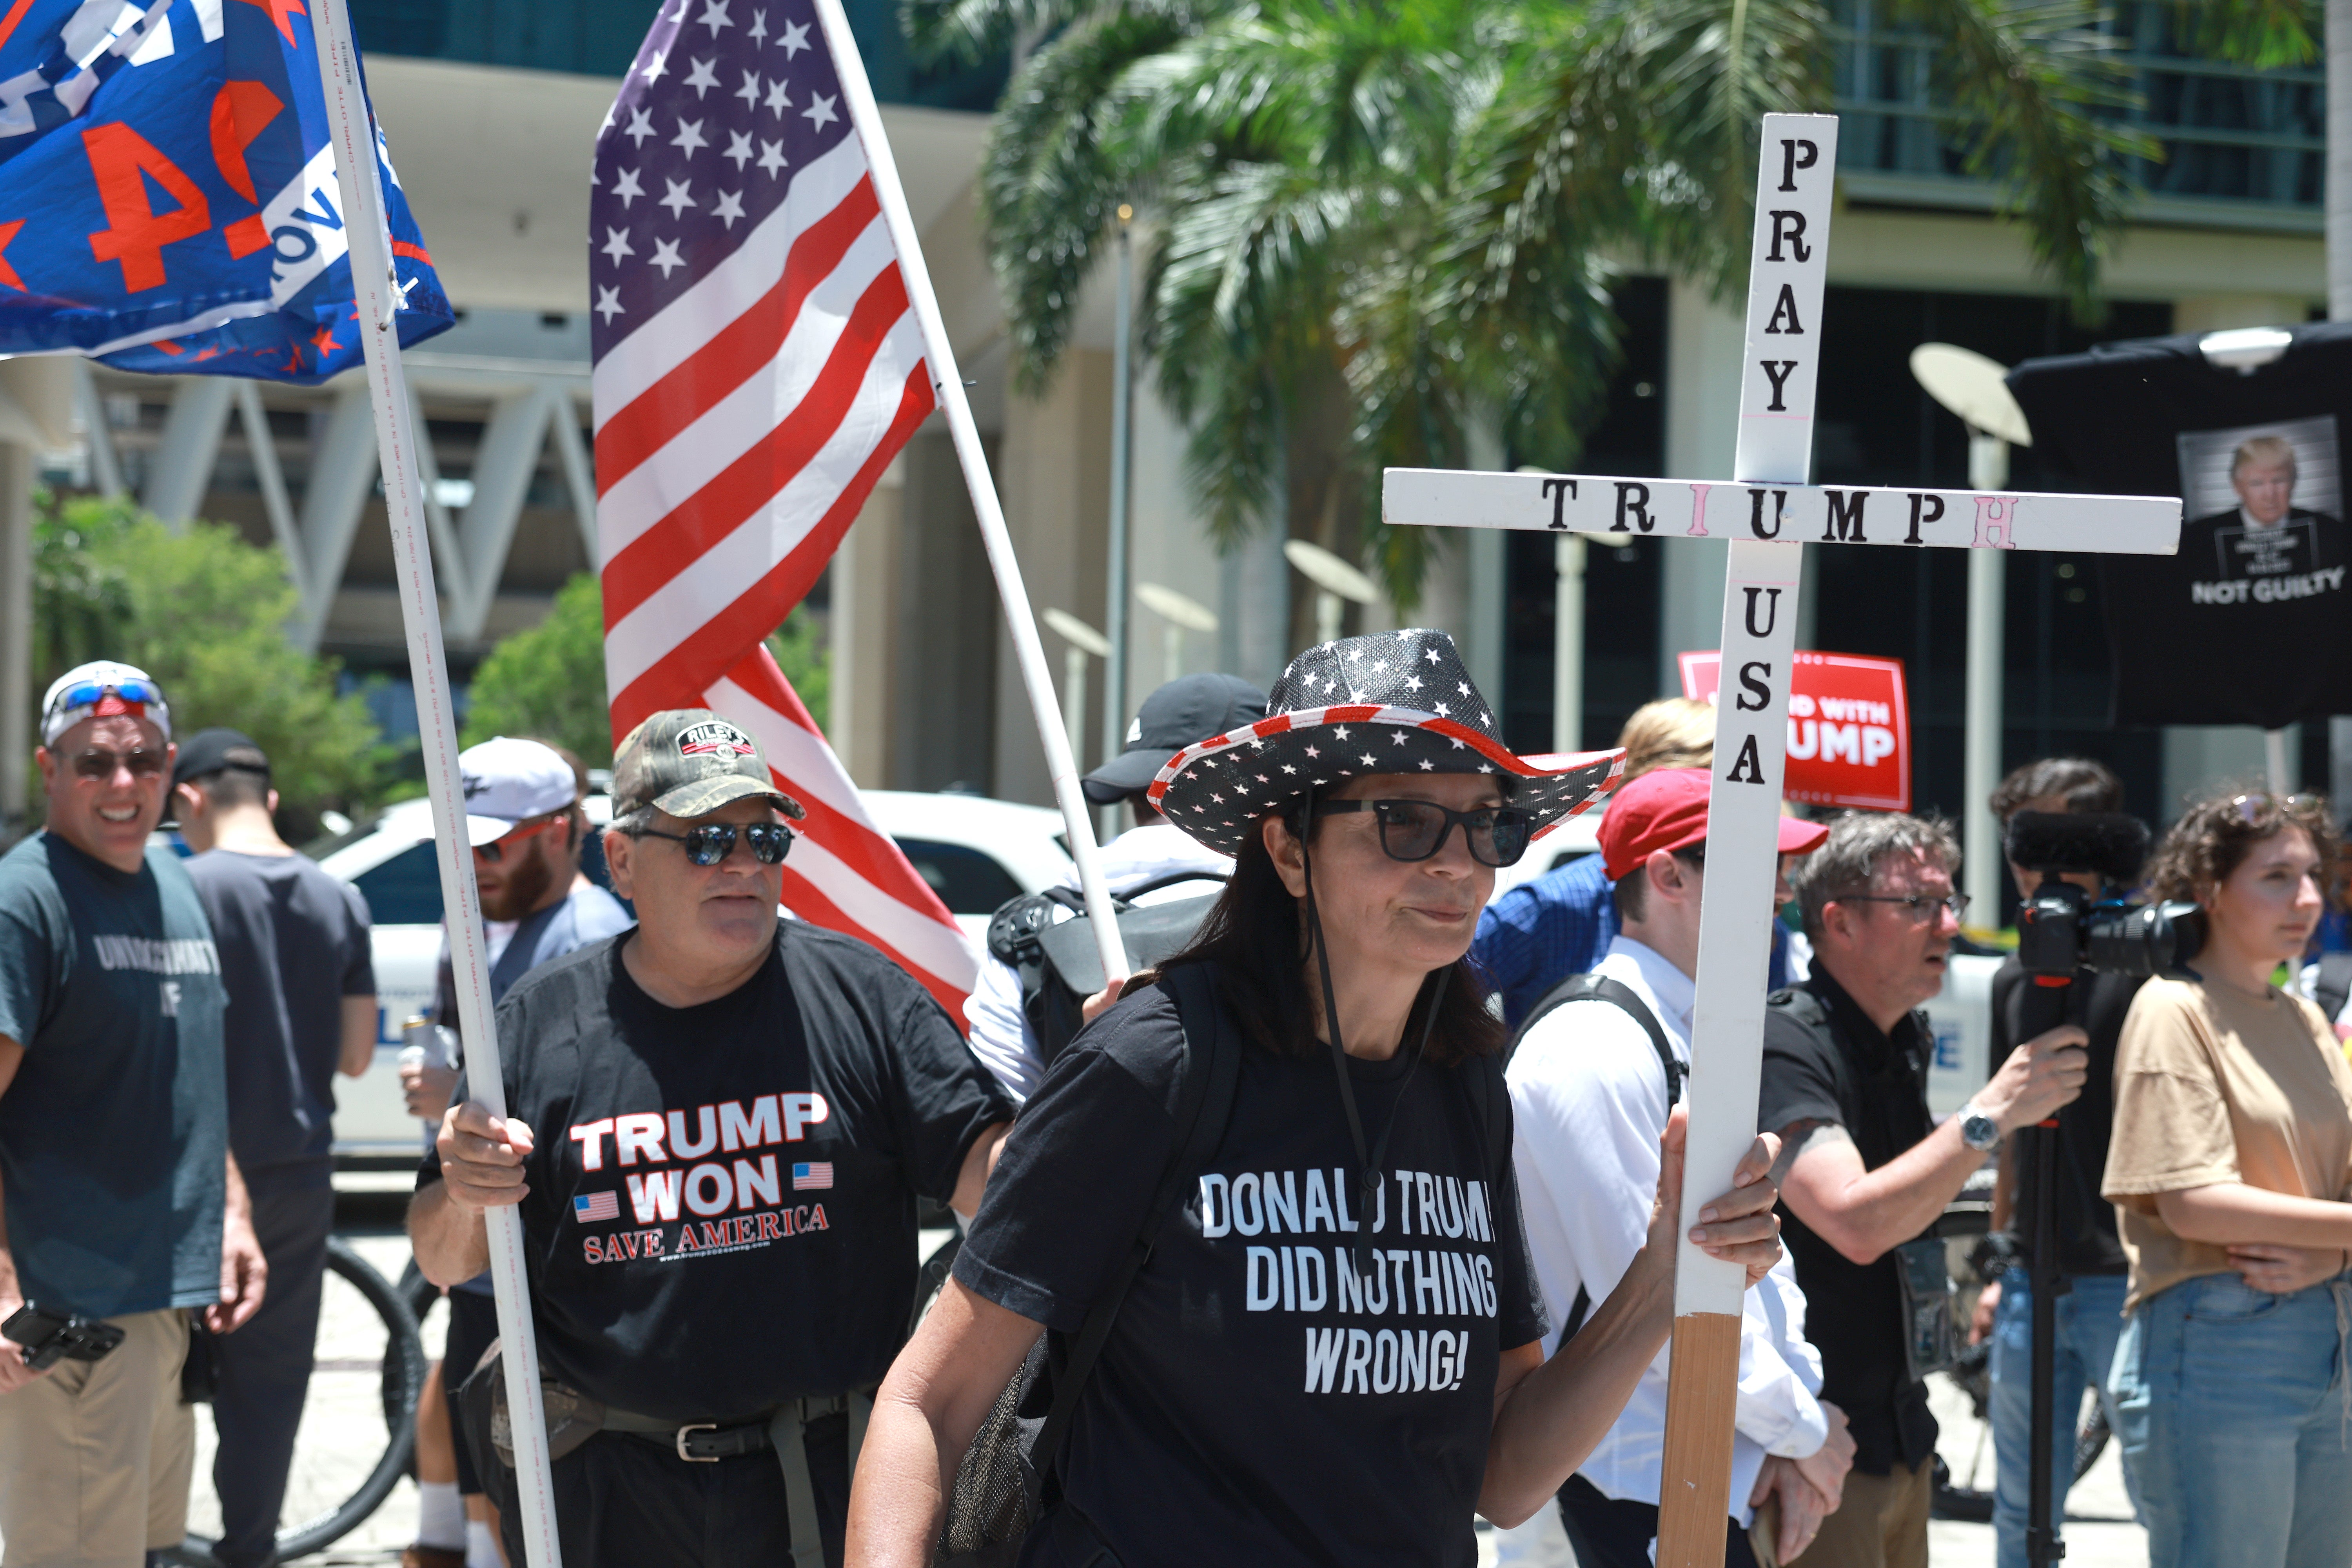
[(2333, 987), (1618, 994), (1205, 1101)]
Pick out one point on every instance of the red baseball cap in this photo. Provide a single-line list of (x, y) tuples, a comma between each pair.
[(1667, 810)]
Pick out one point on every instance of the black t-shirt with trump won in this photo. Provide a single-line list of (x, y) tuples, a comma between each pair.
[(722, 1213), (1875, 1086), (1264, 1397)]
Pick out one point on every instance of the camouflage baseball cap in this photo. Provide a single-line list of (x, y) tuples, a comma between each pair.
[(688, 762)]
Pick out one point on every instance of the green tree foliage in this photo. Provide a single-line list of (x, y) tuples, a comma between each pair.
[(1383, 229), (549, 682), (205, 613)]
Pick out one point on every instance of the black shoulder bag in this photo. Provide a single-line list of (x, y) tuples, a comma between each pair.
[(1006, 1482), (1618, 994)]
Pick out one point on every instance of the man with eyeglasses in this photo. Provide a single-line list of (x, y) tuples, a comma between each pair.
[(119, 1199), (1863, 1174), (718, 1124), (524, 821), (1596, 1071)]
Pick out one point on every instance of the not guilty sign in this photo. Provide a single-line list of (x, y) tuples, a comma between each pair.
[(1849, 727)]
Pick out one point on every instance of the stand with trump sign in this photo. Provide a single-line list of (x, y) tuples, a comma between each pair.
[(1849, 727), (1768, 510)]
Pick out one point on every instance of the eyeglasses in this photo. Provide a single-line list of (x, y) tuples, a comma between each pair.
[(99, 766), (2250, 807), (1417, 830), (714, 841), (495, 851), (1922, 909), (90, 692)]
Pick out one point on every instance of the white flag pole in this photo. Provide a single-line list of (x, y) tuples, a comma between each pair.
[(397, 435), (947, 386)]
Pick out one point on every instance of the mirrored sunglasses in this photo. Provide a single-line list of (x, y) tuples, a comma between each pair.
[(713, 841)]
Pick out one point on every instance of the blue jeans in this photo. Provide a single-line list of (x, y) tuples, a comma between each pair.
[(2235, 1416), (2090, 1321)]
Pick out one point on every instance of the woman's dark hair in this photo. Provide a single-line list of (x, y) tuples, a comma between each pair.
[(1253, 939), (2214, 837)]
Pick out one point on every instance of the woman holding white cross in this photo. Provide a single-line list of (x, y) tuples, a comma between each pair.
[(1330, 1353)]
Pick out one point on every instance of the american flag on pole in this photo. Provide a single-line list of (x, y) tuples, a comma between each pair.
[(757, 367)]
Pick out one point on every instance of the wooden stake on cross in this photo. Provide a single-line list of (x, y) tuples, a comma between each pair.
[(1768, 511)]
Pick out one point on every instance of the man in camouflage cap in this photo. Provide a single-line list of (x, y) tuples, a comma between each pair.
[(688, 762), (718, 1123)]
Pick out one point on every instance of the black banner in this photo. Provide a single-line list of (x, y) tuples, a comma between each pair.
[(2252, 622)]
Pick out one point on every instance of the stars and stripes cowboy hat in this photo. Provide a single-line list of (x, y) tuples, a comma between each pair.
[(1393, 702)]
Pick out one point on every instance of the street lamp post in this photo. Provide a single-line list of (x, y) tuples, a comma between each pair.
[(1977, 390), (1083, 640), (1122, 439), (1335, 580), (1180, 615)]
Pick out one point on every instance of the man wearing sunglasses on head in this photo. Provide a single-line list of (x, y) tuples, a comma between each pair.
[(528, 831), (123, 1202), (1867, 1173), (718, 1124), (1598, 1069)]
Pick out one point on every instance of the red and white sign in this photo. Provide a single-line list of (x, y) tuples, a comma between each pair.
[(1849, 727)]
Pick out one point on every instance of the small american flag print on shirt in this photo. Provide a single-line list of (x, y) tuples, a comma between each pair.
[(588, 1207), (811, 1174)]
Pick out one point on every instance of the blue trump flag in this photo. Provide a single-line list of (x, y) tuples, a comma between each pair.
[(168, 200)]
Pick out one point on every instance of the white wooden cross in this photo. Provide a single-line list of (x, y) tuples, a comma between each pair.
[(1768, 513)]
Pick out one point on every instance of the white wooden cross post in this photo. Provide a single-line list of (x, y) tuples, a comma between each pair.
[(1769, 511)]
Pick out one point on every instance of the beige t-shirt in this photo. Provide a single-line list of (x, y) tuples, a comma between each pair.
[(2213, 1085)]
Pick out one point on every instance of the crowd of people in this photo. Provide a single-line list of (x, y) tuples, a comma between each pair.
[(1349, 1218)]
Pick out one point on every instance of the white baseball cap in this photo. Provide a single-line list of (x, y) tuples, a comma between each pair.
[(509, 782), (100, 689)]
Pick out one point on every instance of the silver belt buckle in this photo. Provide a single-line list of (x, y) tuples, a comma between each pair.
[(684, 1432)]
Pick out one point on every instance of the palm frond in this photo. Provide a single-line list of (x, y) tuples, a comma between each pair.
[(1055, 176), (2028, 80)]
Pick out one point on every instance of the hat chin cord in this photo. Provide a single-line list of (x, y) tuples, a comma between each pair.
[(1368, 1157)]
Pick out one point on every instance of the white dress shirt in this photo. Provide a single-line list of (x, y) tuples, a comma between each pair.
[(1001, 1035), (1588, 1098)]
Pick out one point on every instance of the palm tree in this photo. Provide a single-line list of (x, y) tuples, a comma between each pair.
[(1383, 223)]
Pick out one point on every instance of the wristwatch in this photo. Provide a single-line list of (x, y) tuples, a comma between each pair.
[(1978, 1131)]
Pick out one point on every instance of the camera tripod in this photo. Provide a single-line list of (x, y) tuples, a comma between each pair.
[(2049, 1001)]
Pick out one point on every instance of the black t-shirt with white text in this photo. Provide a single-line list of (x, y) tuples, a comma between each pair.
[(1875, 1086), (1263, 1396), (721, 1214)]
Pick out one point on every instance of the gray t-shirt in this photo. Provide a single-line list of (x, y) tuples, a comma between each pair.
[(113, 1135), (293, 945)]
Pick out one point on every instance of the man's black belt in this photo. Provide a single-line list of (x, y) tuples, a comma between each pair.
[(701, 1442)]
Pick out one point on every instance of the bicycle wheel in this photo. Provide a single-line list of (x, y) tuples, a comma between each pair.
[(2090, 1440), (369, 1365)]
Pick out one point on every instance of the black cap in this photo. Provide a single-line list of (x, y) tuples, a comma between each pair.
[(208, 751), (1189, 708)]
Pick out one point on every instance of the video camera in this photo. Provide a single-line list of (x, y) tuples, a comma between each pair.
[(2062, 928)]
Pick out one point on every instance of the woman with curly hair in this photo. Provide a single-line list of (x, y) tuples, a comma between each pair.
[(2230, 1168)]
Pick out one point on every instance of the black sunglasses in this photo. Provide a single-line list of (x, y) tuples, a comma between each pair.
[(1417, 830), (714, 841)]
